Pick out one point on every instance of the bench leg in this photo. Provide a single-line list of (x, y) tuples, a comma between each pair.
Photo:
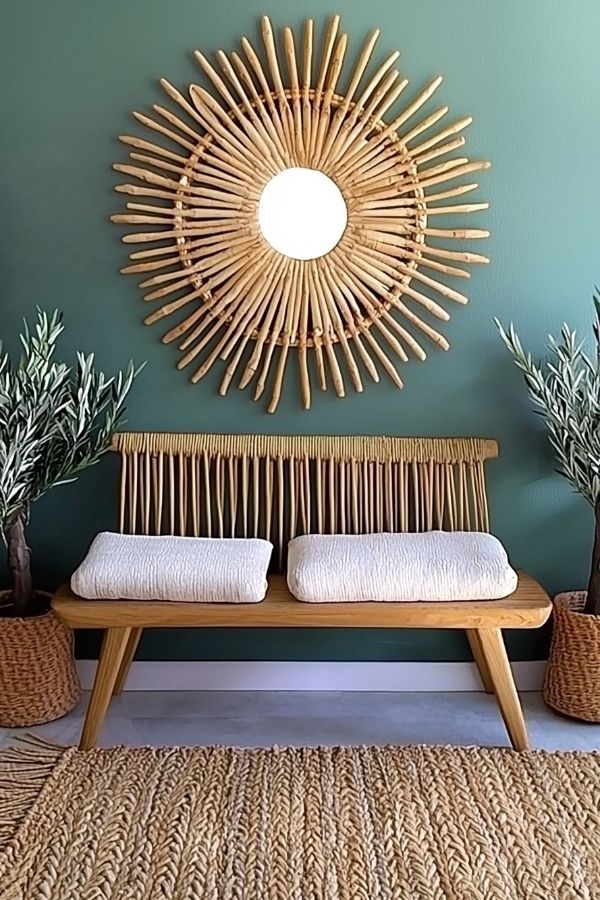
[(480, 662), (132, 645), (114, 646), (498, 666)]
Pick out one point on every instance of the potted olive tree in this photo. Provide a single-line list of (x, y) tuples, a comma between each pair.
[(54, 421), (566, 393)]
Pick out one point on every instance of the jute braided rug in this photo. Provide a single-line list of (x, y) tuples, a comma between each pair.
[(298, 824)]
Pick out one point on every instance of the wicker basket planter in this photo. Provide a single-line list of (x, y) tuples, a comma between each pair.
[(38, 680), (572, 681)]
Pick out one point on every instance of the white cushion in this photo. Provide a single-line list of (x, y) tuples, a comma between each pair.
[(436, 565), (202, 570)]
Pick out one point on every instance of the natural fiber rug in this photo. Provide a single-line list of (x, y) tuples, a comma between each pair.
[(298, 824)]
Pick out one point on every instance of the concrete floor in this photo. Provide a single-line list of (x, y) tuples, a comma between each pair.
[(265, 718)]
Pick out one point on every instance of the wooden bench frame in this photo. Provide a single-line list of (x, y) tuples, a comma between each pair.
[(153, 488)]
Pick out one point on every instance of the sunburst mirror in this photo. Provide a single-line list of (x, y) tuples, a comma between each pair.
[(286, 214)]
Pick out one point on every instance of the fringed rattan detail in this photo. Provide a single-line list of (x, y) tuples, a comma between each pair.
[(314, 446), (277, 487), (24, 770)]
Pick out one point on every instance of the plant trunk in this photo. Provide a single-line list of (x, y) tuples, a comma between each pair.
[(592, 604), (19, 564)]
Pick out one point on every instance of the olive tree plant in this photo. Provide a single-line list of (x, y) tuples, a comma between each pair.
[(55, 420), (565, 391)]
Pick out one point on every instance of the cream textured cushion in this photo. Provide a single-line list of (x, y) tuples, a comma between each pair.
[(202, 570), (437, 565)]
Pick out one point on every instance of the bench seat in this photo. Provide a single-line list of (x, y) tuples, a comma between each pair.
[(528, 607)]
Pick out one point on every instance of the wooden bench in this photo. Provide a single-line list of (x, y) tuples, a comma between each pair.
[(280, 486)]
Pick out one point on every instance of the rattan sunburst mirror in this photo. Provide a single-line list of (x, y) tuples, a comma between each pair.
[(287, 215)]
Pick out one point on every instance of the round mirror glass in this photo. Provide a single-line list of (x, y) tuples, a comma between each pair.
[(302, 213)]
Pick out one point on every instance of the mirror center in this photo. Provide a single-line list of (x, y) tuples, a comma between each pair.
[(302, 213)]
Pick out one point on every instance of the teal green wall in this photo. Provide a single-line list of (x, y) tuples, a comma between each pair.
[(71, 71)]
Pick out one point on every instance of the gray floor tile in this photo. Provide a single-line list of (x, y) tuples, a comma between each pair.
[(300, 731), (266, 718), (274, 704)]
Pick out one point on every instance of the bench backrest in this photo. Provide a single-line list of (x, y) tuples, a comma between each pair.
[(279, 486)]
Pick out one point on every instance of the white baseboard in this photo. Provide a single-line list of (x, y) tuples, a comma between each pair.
[(311, 676)]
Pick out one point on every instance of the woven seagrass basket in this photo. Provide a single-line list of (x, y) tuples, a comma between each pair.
[(572, 681), (38, 680)]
